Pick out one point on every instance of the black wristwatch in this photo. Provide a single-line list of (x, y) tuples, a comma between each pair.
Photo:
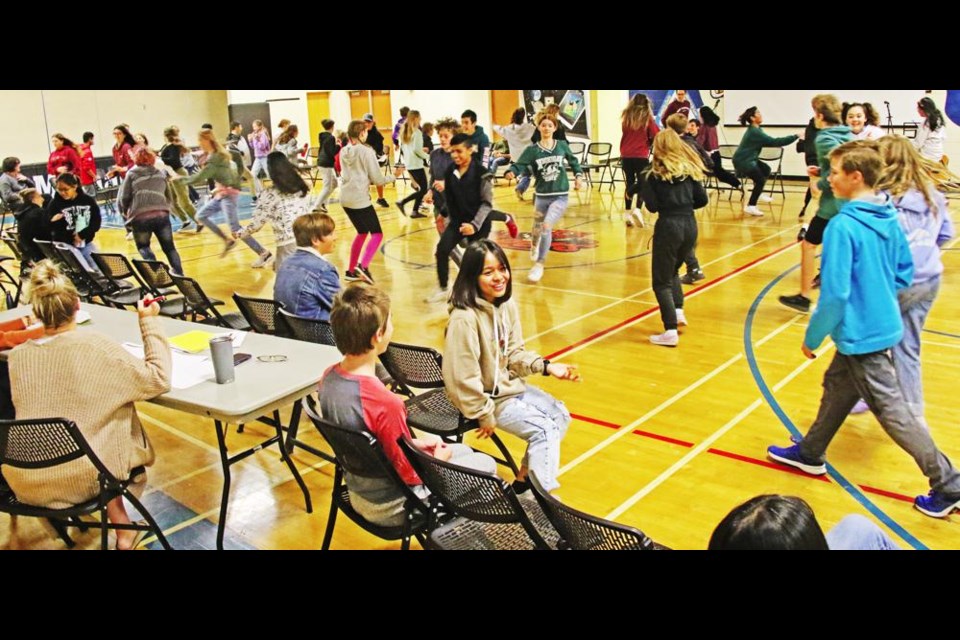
[(546, 364)]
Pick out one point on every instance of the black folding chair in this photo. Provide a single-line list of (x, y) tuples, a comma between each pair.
[(597, 157), (490, 513), (49, 442), (96, 285), (422, 368), (359, 455), (6, 277), (260, 313), (583, 532), (197, 302)]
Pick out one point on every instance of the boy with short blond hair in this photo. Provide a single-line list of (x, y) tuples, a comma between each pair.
[(858, 308)]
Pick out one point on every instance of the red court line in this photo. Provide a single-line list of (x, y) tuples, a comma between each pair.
[(740, 458), (655, 309)]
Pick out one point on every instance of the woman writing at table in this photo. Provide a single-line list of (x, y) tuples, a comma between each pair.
[(88, 378)]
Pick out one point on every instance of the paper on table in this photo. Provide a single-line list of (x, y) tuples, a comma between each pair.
[(188, 370), (199, 341)]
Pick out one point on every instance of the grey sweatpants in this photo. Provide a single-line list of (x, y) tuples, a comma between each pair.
[(872, 376)]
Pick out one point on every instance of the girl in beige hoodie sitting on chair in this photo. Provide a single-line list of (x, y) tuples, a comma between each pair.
[(490, 389)]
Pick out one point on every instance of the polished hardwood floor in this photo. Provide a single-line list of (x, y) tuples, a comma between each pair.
[(667, 440)]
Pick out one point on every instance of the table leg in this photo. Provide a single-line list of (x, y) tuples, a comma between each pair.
[(278, 425), (225, 461)]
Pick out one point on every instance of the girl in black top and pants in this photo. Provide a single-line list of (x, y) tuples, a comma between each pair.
[(674, 188)]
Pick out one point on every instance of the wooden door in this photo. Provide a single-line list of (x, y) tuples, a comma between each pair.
[(359, 104), (503, 102), (318, 110)]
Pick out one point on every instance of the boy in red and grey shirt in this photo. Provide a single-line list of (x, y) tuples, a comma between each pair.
[(88, 166), (352, 396)]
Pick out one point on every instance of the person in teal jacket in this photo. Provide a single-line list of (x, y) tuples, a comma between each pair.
[(866, 260), (831, 133), (544, 160), (746, 159)]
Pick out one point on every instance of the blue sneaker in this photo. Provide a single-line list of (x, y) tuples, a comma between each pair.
[(936, 504), (791, 456)]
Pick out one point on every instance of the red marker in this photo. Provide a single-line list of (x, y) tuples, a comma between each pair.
[(149, 301)]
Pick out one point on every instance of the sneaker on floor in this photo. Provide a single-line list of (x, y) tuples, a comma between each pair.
[(512, 226), (628, 217), (519, 194), (669, 338), (765, 198), (860, 407), (399, 206), (935, 504), (365, 272), (262, 261), (536, 272), (681, 318), (440, 295), (692, 276), (751, 210), (637, 215), (798, 302), (199, 228), (383, 203), (229, 244), (187, 227), (790, 456), (417, 214), (353, 276)]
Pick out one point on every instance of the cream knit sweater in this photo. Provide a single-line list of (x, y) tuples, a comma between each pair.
[(88, 378)]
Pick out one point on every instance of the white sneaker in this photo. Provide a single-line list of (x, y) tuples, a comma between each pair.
[(262, 261), (681, 318), (666, 339), (628, 217), (765, 198), (440, 295), (536, 272), (752, 211), (637, 215)]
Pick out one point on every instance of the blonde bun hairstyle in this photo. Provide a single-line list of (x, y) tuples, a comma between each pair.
[(52, 295)]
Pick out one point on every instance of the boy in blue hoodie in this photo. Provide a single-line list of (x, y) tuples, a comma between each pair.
[(858, 308)]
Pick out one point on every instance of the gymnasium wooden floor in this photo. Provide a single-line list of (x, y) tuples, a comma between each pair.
[(667, 440)]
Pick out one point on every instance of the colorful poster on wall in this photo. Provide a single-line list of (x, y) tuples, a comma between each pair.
[(572, 103), (660, 98)]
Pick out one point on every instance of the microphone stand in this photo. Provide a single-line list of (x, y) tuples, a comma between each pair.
[(889, 119)]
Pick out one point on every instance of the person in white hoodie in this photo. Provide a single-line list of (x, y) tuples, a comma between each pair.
[(485, 361), (360, 170), (518, 135)]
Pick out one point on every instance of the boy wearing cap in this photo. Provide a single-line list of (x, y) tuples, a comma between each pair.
[(375, 141)]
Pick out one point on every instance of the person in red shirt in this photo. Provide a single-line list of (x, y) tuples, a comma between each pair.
[(88, 166), (122, 146), (680, 104), (639, 130), (64, 157), (352, 396)]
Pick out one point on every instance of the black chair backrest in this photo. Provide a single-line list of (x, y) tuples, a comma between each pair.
[(116, 267), (599, 149), (11, 240), (193, 294), (306, 329), (155, 274), (78, 273), (260, 313), (38, 443), (577, 148), (581, 531), (472, 494), (413, 366)]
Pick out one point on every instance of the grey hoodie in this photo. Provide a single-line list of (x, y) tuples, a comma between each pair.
[(358, 170), (925, 232)]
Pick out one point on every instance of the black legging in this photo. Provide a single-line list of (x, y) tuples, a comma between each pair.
[(674, 238), (364, 220), (722, 174), (420, 178), (806, 201), (633, 174), (758, 173)]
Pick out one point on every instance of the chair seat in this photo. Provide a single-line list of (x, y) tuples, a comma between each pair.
[(234, 320), (462, 534), (129, 297), (387, 533)]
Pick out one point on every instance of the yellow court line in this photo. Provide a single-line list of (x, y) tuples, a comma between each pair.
[(169, 483), (625, 430), (649, 289), (716, 435)]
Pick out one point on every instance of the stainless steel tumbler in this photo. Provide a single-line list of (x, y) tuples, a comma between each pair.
[(221, 352)]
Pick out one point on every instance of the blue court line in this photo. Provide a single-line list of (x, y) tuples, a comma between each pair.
[(942, 333), (835, 475)]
